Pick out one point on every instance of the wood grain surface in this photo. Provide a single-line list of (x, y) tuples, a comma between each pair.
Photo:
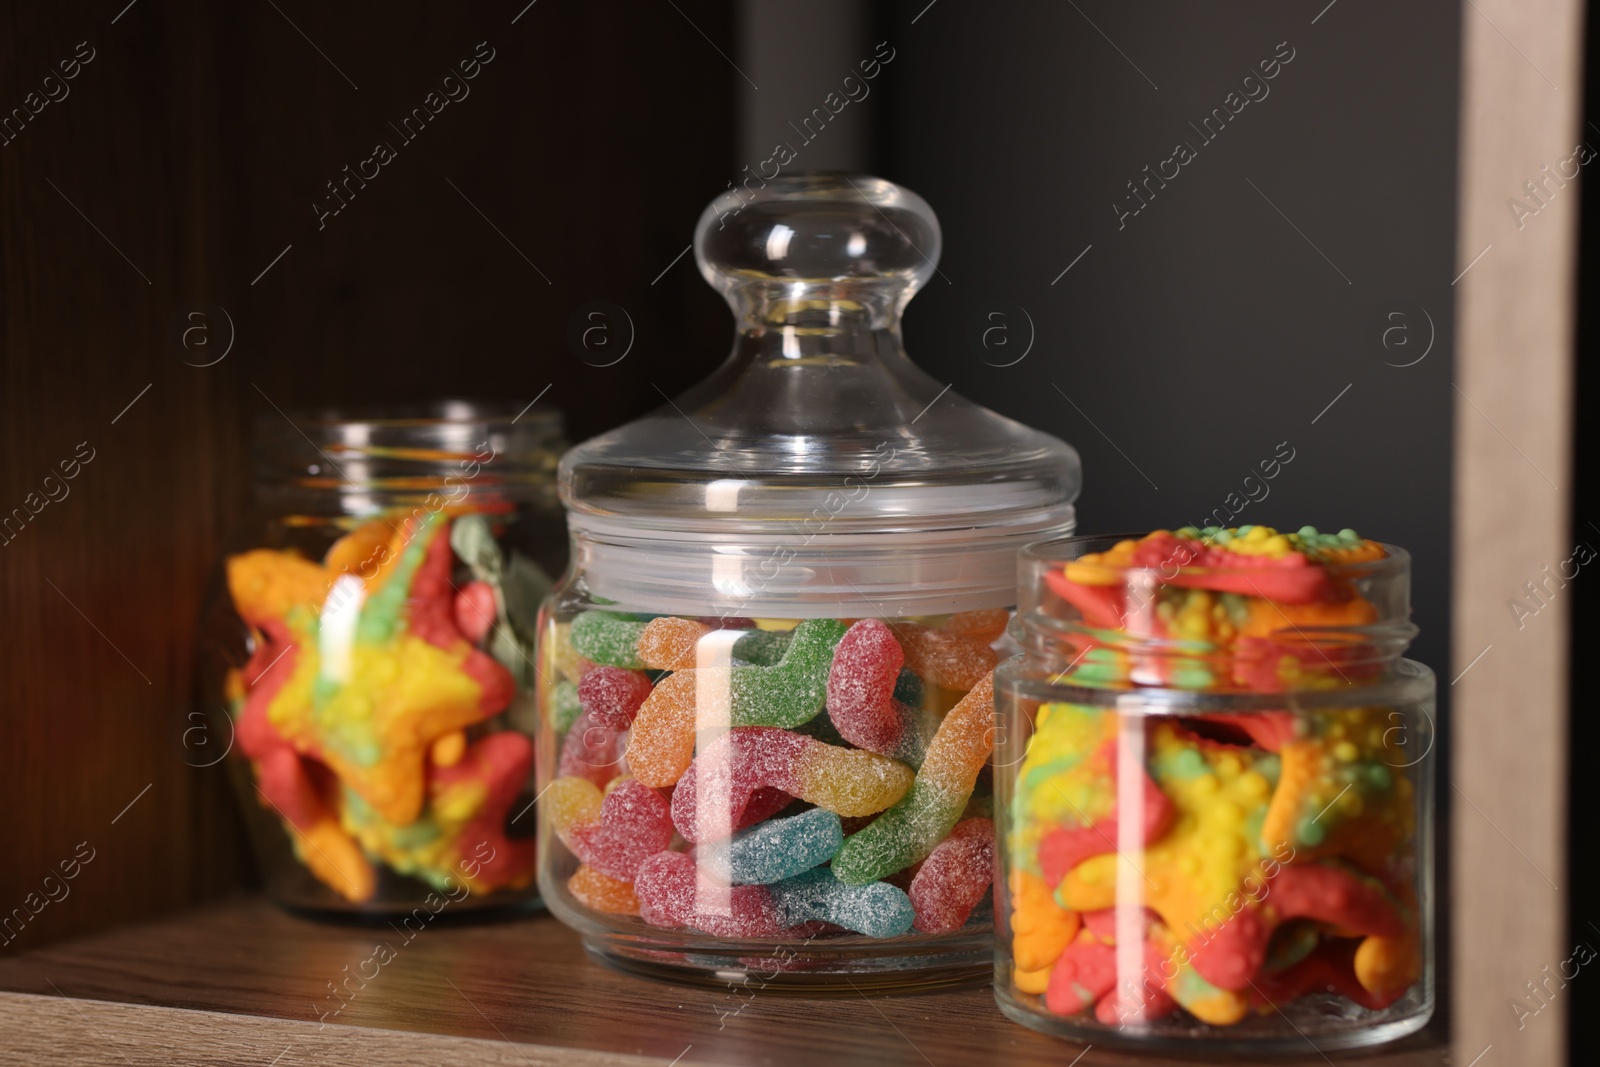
[(241, 982), (176, 167)]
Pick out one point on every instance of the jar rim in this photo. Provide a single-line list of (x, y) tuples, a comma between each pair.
[(1394, 561)]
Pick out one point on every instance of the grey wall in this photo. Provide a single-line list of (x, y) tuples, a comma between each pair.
[(1194, 337)]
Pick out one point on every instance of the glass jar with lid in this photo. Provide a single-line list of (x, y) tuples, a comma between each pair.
[(368, 656), (1213, 794), (766, 677)]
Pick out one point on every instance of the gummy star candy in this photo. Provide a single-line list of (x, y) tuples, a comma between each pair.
[(368, 703)]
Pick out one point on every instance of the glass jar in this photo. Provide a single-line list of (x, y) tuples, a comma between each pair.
[(766, 679), (1213, 794), (368, 655)]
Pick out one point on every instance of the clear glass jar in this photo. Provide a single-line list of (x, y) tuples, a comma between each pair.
[(766, 693), (1213, 794), (368, 655)]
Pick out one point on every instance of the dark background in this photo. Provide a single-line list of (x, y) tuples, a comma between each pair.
[(1256, 290)]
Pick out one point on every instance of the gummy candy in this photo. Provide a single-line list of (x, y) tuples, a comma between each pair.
[(661, 740), (908, 831), (607, 639), (603, 893), (949, 659), (592, 751), (1040, 930), (669, 643), (612, 695), (1232, 954), (355, 702), (861, 701), (775, 849), (564, 706), (955, 877), (762, 647), (634, 825), (791, 691), (672, 893), (1065, 847), (788, 693), (730, 769), (877, 909), (1272, 856)]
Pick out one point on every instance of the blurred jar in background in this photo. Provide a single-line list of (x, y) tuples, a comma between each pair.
[(368, 654)]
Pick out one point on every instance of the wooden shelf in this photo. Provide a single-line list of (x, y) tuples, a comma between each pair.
[(242, 983)]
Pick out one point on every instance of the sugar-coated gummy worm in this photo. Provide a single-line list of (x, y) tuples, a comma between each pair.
[(909, 830), (564, 706), (789, 694), (670, 643), (672, 893), (861, 695), (713, 793), (773, 850), (955, 877), (634, 825), (599, 892), (877, 909), (607, 639), (612, 695)]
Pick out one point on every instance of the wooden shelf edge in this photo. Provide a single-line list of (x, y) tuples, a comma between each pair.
[(240, 982), (68, 1031)]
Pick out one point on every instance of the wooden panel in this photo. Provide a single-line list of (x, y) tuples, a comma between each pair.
[(528, 982), (100, 197), (1522, 83), (177, 165)]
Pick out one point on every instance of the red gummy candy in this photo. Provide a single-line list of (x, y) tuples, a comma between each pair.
[(431, 614), (1329, 969), (672, 893), (591, 751), (634, 825), (740, 762), (1064, 848), (612, 695), (1085, 972), (1103, 923), (764, 804), (284, 781), (954, 877), (861, 683), (501, 762), (475, 610), (1231, 955)]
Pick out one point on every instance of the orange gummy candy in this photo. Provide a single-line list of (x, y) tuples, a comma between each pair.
[(601, 892), (669, 643)]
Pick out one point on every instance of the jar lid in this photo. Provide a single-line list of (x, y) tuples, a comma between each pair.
[(818, 472)]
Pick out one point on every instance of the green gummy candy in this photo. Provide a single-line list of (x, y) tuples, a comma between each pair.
[(606, 639), (564, 706), (764, 648), (901, 836), (792, 691)]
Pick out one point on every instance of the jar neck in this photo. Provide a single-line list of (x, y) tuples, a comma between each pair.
[(462, 458), (795, 318)]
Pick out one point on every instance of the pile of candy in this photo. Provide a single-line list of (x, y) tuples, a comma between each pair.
[(817, 777), (1276, 854), (358, 706)]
